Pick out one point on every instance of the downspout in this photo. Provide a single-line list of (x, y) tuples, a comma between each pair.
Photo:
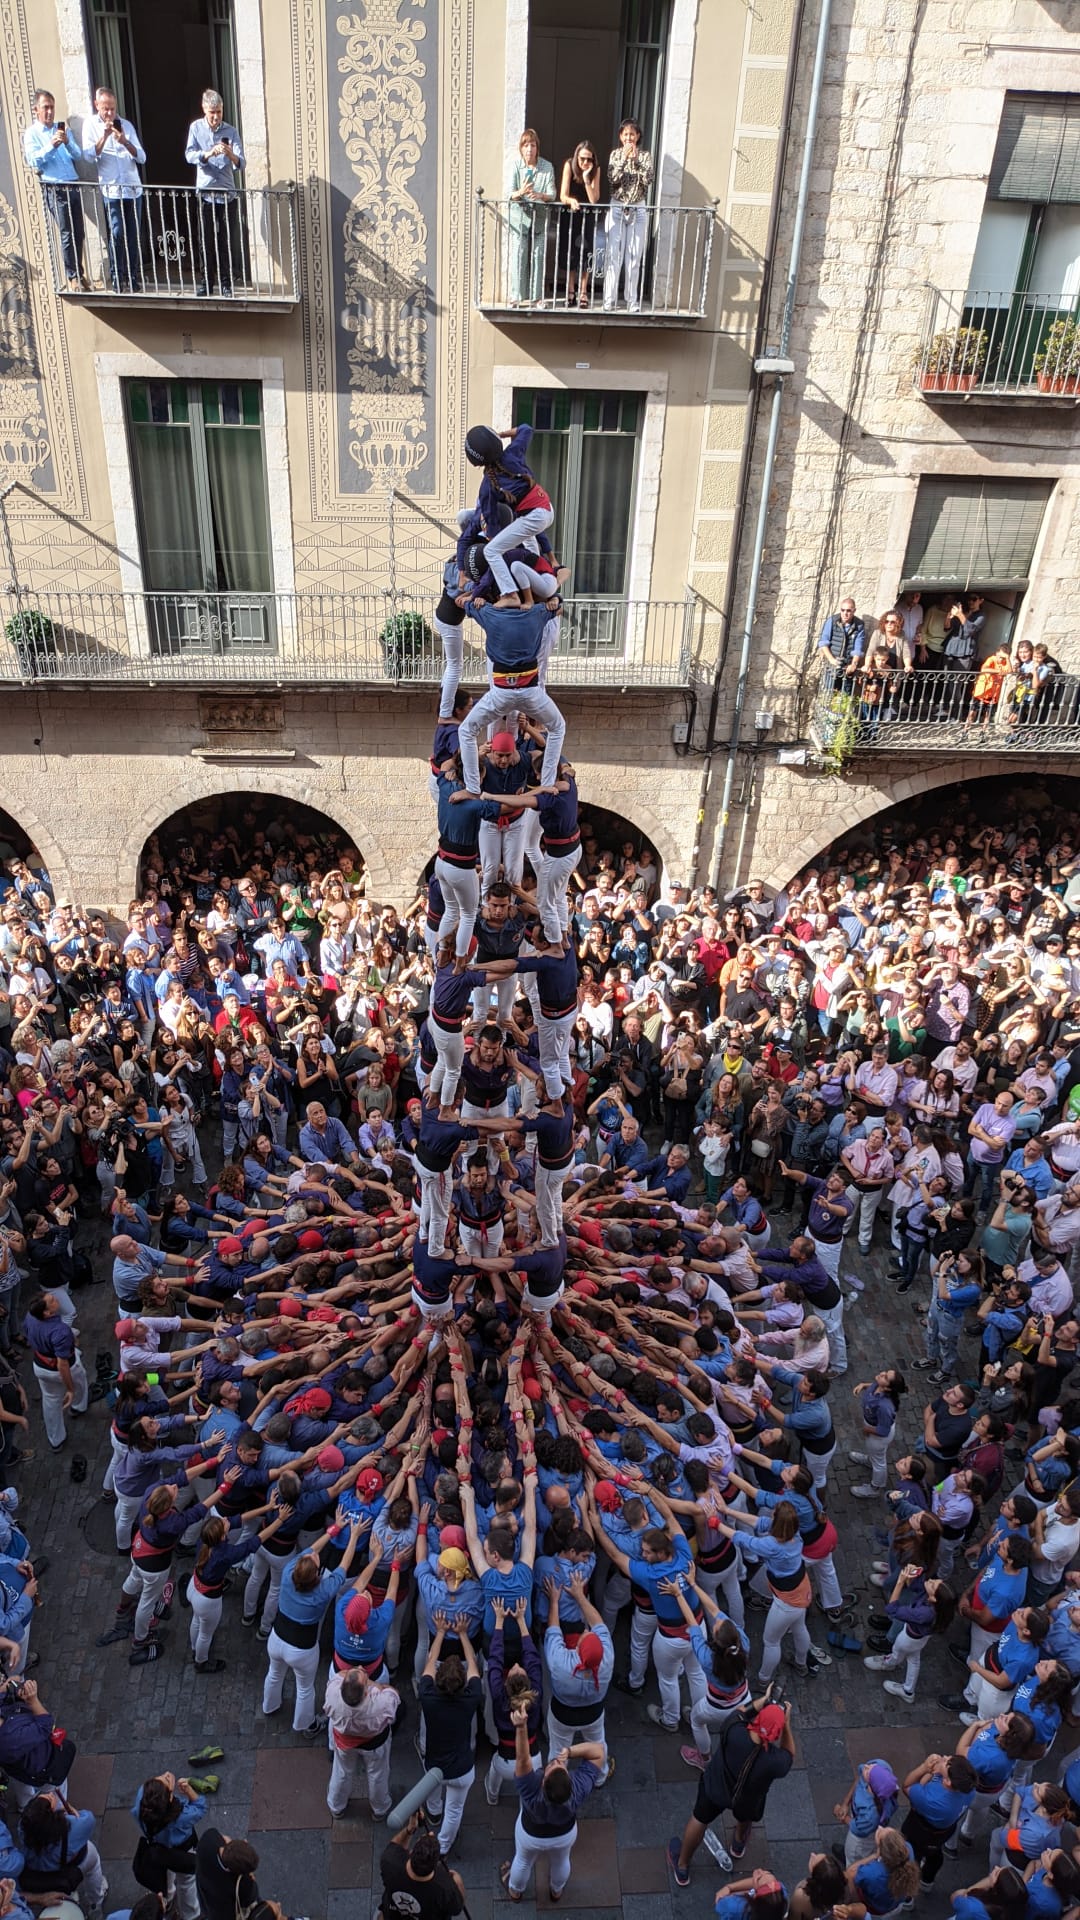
[(794, 262), (753, 408)]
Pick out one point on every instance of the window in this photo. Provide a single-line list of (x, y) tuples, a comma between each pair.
[(200, 488), (584, 452), (644, 53), (1026, 272), (972, 533)]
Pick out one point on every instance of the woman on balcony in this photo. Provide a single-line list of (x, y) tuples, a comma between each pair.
[(579, 192), (532, 188), (626, 227)]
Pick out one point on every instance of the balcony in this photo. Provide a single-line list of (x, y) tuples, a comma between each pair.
[(102, 638), (932, 711), (551, 263), (999, 346), (180, 248)]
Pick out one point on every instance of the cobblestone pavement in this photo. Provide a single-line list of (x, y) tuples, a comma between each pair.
[(129, 1723)]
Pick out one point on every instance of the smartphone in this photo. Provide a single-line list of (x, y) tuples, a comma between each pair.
[(61, 126)]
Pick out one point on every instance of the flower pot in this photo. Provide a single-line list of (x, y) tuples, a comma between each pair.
[(1059, 382), (947, 382)]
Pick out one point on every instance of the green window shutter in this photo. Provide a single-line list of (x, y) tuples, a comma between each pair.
[(1037, 157), (973, 533)]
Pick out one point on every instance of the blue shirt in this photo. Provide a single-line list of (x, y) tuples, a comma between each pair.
[(53, 163), (214, 171), (1000, 1591), (333, 1143), (938, 1803)]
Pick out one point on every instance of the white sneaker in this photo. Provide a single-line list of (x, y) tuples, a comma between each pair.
[(858, 1459), (865, 1492), (902, 1693)]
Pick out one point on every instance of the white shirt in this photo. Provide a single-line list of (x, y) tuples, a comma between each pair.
[(1060, 1541), (1051, 1292), (117, 169), (1062, 1223), (964, 1072)]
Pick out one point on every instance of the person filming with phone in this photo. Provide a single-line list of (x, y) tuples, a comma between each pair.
[(112, 145)]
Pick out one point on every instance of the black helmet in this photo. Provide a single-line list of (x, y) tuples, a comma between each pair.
[(483, 448)]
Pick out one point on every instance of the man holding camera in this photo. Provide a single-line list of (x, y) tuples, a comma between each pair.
[(215, 151), (50, 148), (113, 146)]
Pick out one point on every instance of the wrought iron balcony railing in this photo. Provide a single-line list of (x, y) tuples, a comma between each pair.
[(1000, 346), (173, 244), (943, 711), (630, 265), (107, 638)]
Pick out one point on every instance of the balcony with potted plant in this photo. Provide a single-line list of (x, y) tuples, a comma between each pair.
[(1057, 363), (952, 361)]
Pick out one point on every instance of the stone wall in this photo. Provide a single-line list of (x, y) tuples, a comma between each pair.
[(89, 776), (909, 119)]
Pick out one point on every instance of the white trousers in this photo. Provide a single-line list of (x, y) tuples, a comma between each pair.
[(542, 586), (707, 1720), (554, 1036), (303, 1663), (865, 1212), (527, 1851), (453, 645), (559, 1735), (671, 1658), (729, 1583), (824, 1582), (549, 1191), (205, 1621), (117, 1452), (449, 1802), (832, 1319), (510, 700), (537, 520), (478, 1244), (51, 1388), (125, 1514), (502, 847), (375, 1762), (779, 1620), (502, 1773), (449, 1055), (461, 894), (829, 1252), (551, 892), (264, 1564), (625, 230), (817, 1466), (148, 1587), (434, 1204)]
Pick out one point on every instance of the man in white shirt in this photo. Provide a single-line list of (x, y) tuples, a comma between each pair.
[(1051, 1288), (1055, 1536), (870, 1165), (961, 1063), (1057, 1220), (113, 146)]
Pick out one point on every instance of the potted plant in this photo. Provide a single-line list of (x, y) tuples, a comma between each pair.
[(405, 638), (33, 637), (1057, 363), (953, 361)]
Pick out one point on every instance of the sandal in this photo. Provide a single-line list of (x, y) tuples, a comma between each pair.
[(846, 1642), (504, 1876)]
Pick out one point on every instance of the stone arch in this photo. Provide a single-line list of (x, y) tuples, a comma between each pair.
[(203, 781), (52, 854), (599, 787), (854, 804)]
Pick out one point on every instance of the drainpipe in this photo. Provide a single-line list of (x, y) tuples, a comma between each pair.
[(780, 365)]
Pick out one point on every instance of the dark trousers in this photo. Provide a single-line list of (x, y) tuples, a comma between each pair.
[(215, 241), (125, 258), (65, 208), (927, 1844)]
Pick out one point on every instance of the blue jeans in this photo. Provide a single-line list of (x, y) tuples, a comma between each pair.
[(65, 208), (983, 1173), (943, 1332), (125, 260), (911, 1253)]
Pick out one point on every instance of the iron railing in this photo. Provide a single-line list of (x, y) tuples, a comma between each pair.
[(638, 264), (945, 711), (173, 243), (106, 637), (999, 344)]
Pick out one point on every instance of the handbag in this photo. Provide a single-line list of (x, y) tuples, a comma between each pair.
[(761, 1149)]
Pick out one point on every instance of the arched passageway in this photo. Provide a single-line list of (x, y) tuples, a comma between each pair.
[(952, 817), (214, 841)]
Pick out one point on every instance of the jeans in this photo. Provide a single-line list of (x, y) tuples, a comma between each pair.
[(626, 230), (984, 1173), (65, 208), (943, 1332), (125, 256), (215, 246)]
